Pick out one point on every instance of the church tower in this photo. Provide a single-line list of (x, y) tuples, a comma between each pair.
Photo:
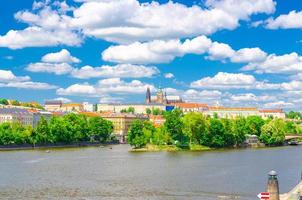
[(160, 98), (148, 95)]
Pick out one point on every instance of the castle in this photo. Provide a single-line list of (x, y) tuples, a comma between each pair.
[(161, 97)]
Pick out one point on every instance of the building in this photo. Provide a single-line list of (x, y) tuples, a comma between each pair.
[(88, 107), (228, 112), (16, 115), (157, 120), (53, 106), (192, 107), (121, 123), (37, 116), (138, 108), (72, 107), (273, 113), (161, 97)]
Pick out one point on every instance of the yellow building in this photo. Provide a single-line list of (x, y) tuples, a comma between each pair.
[(53, 106), (72, 107), (121, 123)]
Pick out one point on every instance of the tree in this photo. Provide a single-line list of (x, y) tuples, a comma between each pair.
[(294, 115), (195, 126), (239, 130), (3, 101), (215, 136), (156, 111), (100, 129), (148, 111), (174, 126), (42, 133), (131, 110), (15, 103), (292, 128), (273, 133), (254, 125), (136, 136)]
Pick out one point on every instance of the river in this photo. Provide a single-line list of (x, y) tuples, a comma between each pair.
[(114, 173)]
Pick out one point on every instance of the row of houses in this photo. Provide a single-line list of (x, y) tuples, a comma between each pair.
[(26, 117)]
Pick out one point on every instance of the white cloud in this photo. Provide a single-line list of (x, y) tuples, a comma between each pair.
[(205, 96), (63, 99), (8, 76), (224, 80), (169, 75), (220, 51), (106, 87), (8, 79), (287, 63), (287, 21), (279, 104), (56, 68), (247, 55), (38, 37), (164, 51), (157, 51), (78, 90), (129, 20), (60, 57), (121, 70), (29, 85)]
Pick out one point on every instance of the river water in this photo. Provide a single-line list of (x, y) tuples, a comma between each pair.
[(114, 173)]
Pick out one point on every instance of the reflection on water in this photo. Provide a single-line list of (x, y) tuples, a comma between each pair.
[(104, 173)]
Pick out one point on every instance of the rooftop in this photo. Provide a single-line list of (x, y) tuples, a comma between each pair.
[(14, 111)]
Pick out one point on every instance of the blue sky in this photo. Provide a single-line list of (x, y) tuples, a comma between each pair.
[(231, 52)]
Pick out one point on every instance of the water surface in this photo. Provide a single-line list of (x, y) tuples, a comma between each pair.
[(105, 173)]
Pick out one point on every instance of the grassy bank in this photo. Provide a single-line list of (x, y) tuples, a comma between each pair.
[(155, 148)]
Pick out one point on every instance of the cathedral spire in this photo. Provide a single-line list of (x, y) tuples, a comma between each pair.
[(148, 95)]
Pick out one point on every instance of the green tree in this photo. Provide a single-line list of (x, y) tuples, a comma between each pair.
[(195, 126), (215, 136), (100, 129), (42, 133), (136, 136), (239, 130), (3, 101), (131, 110), (148, 111), (156, 111), (174, 126), (294, 115), (254, 125), (15, 103), (273, 133)]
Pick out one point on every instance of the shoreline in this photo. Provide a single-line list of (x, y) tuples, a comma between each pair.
[(55, 146)]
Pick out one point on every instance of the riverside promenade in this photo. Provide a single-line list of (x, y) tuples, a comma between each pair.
[(294, 194)]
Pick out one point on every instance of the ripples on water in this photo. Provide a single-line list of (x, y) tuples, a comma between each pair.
[(104, 173)]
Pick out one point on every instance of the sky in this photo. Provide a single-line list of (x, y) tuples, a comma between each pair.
[(240, 53)]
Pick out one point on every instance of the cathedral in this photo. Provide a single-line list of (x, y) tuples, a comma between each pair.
[(161, 98)]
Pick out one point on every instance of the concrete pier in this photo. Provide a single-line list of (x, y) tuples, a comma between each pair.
[(273, 186)]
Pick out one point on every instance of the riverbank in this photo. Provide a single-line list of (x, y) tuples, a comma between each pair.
[(58, 145), (156, 148)]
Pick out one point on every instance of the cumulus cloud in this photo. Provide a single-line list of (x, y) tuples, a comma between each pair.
[(224, 80), (121, 71), (164, 51), (37, 37), (62, 56), (55, 68), (9, 79), (63, 99), (106, 86), (9, 76), (286, 21), (128, 21), (287, 64), (169, 75), (157, 51)]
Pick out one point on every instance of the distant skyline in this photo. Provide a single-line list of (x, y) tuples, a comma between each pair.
[(235, 52)]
